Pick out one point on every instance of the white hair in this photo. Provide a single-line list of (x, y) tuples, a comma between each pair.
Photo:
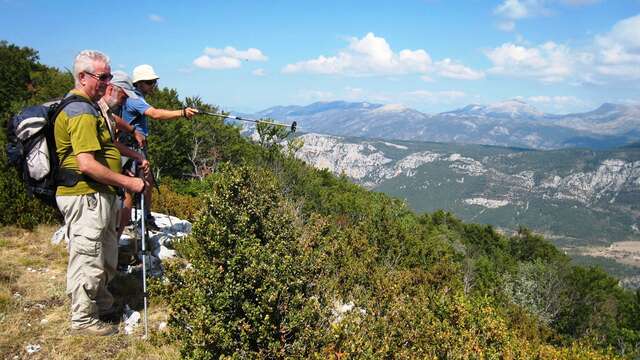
[(84, 62)]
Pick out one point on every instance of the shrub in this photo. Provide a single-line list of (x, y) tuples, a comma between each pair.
[(17, 207), (171, 203), (245, 293)]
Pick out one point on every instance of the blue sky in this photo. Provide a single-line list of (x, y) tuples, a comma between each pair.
[(433, 55)]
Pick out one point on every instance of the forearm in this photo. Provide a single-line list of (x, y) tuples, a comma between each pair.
[(128, 152), (123, 125), (100, 173), (162, 114)]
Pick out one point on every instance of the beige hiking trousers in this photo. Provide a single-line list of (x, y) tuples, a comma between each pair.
[(90, 222)]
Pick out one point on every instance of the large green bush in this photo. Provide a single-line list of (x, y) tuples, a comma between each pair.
[(244, 293)]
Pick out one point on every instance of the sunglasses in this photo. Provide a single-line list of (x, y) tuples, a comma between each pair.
[(150, 82), (104, 77)]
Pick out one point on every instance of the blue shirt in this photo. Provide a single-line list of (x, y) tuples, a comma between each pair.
[(133, 113)]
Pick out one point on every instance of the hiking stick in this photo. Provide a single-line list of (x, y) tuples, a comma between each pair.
[(143, 232)]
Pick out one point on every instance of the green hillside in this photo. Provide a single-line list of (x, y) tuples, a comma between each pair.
[(286, 261)]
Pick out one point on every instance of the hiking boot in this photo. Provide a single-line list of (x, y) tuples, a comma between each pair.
[(111, 315), (98, 329), (150, 223), (113, 318)]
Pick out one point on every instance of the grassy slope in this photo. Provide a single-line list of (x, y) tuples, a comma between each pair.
[(35, 269)]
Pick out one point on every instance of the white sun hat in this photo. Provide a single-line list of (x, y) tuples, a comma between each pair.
[(144, 72)]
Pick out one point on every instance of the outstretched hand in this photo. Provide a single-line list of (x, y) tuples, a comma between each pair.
[(189, 112)]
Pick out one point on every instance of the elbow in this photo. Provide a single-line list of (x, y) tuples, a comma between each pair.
[(83, 167), (84, 163), (153, 113)]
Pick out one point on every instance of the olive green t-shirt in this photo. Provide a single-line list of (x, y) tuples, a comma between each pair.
[(79, 128)]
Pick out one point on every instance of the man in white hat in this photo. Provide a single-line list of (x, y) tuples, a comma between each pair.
[(135, 112)]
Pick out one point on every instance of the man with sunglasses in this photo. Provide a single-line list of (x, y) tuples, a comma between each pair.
[(86, 196), (135, 112)]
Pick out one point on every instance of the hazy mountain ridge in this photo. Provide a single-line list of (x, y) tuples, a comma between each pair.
[(507, 123)]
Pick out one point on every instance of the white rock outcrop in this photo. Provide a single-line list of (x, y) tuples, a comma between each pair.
[(488, 203)]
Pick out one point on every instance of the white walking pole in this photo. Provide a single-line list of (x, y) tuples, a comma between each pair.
[(143, 231)]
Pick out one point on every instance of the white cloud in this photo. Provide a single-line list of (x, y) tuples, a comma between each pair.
[(548, 62), (451, 69), (370, 55), (223, 62), (321, 65), (250, 54), (613, 56), (155, 18), (513, 10), (227, 58), (259, 72), (617, 53)]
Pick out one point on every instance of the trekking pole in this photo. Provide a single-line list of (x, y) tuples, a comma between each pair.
[(292, 127), (153, 176), (143, 232)]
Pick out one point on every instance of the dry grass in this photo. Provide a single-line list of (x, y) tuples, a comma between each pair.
[(34, 309)]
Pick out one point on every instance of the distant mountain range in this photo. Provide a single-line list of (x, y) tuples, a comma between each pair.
[(511, 123)]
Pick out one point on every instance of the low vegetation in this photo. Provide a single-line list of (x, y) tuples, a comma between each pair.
[(34, 309)]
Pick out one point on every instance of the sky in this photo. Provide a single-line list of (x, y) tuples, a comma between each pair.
[(561, 56)]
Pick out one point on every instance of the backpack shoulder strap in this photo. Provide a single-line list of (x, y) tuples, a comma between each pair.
[(54, 111), (57, 108)]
